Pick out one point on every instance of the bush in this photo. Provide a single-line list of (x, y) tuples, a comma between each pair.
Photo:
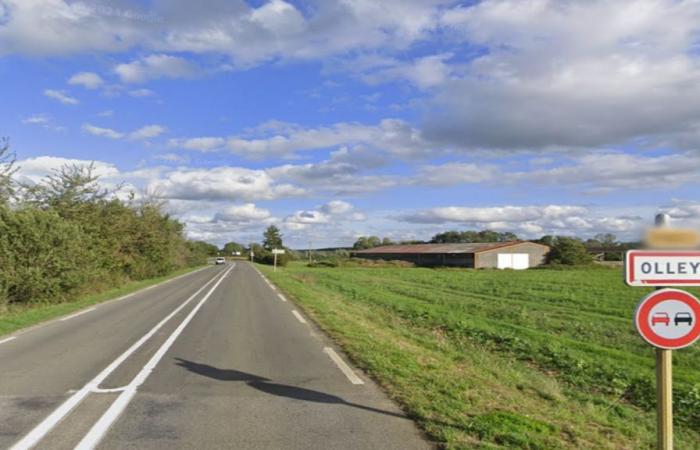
[(43, 257), (569, 251), (66, 235), (269, 259)]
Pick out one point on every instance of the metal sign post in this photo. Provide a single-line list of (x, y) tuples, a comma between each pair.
[(275, 252), (664, 399)]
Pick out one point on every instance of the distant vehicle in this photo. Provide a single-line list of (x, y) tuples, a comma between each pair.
[(660, 317), (220, 260), (683, 317)]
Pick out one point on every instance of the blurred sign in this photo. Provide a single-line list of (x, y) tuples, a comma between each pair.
[(277, 251), (671, 238)]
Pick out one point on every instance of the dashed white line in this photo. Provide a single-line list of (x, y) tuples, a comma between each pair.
[(62, 319), (347, 371), (43, 428), (298, 316), (97, 432), (282, 297), (8, 339)]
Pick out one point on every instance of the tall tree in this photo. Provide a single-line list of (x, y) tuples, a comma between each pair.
[(272, 238), (232, 247)]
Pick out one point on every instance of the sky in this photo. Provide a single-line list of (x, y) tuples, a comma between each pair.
[(337, 119)]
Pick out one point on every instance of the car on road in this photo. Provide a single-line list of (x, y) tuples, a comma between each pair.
[(220, 260), (660, 317), (683, 317)]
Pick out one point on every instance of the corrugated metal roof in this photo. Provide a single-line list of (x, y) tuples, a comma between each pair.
[(439, 248)]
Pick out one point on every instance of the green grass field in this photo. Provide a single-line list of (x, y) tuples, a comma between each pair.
[(536, 359)]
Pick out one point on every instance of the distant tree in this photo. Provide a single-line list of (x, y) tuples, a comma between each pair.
[(365, 242), (448, 237), (231, 247), (272, 238), (453, 237), (387, 241), (607, 240), (7, 169), (546, 240), (569, 251)]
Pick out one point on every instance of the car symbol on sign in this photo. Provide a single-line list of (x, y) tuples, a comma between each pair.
[(660, 317), (683, 317)]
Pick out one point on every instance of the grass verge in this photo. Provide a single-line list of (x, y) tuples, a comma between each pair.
[(28, 315), (537, 359)]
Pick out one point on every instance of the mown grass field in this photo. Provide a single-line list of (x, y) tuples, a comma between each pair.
[(536, 359)]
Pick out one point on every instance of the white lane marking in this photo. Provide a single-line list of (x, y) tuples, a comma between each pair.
[(107, 391), (298, 316), (98, 431), (85, 311), (41, 430), (124, 297), (282, 297), (347, 371), (12, 338)]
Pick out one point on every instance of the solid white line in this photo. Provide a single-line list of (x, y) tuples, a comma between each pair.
[(8, 339), (41, 430), (85, 311), (347, 371), (98, 431), (282, 297), (298, 316)]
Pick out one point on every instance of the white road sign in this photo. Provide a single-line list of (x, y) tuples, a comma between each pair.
[(662, 268), (277, 251)]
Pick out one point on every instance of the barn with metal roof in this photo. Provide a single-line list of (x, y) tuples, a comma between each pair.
[(496, 255)]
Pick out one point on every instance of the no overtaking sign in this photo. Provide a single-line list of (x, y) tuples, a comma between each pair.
[(668, 319)]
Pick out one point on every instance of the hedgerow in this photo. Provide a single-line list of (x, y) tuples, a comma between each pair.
[(66, 235)]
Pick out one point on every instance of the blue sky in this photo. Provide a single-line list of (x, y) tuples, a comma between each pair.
[(339, 119)]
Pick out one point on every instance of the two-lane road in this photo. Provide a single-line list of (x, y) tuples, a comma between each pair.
[(214, 359)]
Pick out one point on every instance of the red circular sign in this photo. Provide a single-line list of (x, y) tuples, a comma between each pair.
[(669, 318)]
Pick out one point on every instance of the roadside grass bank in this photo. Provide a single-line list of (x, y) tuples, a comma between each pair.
[(536, 359), (16, 317)]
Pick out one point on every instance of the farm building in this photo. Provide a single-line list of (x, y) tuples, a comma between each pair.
[(496, 255)]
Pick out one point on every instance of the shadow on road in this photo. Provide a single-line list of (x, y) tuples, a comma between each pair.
[(281, 390)]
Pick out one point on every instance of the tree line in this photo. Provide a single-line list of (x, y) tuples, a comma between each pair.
[(565, 250), (66, 235)]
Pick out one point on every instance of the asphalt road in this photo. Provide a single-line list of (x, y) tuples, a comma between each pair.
[(214, 359)]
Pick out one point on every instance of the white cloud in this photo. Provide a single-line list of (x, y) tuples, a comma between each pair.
[(102, 132), (61, 96), (140, 93), (602, 171), (455, 173), (89, 80), (37, 119), (221, 183), (529, 221), (155, 66), (336, 207), (302, 219), (247, 212), (392, 135), (202, 144), (43, 120), (571, 74), (34, 169), (147, 132), (250, 35)]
